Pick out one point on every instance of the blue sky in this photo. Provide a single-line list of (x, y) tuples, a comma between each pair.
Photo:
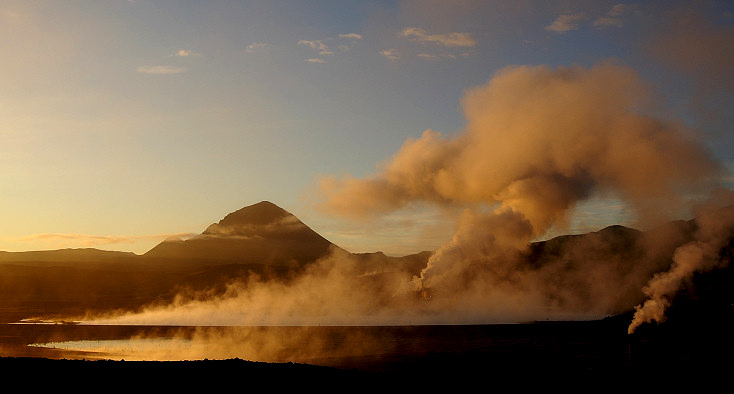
[(125, 122)]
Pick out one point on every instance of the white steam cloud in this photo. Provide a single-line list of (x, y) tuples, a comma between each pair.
[(538, 141), (700, 255)]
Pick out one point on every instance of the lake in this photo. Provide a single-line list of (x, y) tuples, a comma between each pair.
[(601, 345), (377, 348)]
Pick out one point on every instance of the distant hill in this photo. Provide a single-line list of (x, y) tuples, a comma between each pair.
[(258, 234), (628, 259), (269, 241), (263, 239)]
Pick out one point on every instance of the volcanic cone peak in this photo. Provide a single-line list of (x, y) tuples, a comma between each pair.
[(262, 233), (255, 220)]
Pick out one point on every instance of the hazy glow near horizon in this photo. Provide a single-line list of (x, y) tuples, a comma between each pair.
[(126, 122)]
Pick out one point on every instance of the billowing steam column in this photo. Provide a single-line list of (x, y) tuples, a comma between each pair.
[(715, 231), (538, 141), (425, 293)]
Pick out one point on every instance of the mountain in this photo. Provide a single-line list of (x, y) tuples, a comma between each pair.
[(266, 240), (262, 238), (262, 233)]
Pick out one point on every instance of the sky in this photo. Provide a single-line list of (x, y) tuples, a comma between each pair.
[(125, 122)]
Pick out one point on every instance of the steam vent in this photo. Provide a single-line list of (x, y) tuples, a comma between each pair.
[(425, 293)]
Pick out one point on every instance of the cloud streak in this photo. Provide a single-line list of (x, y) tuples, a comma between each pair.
[(92, 240), (566, 22), (186, 53), (255, 46), (321, 47), (450, 40), (317, 45), (390, 54), (161, 70), (613, 18), (351, 35)]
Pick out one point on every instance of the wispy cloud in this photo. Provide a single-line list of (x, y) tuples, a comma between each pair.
[(613, 18), (161, 70), (317, 45), (566, 22), (607, 21), (321, 47), (440, 56), (391, 54), (619, 10), (427, 56), (573, 21), (186, 53), (447, 40), (255, 46), (351, 35), (64, 239)]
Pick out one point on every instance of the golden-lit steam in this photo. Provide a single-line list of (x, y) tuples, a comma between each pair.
[(315, 345), (700, 255), (537, 142)]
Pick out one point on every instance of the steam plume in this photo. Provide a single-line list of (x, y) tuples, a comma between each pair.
[(700, 255), (537, 142)]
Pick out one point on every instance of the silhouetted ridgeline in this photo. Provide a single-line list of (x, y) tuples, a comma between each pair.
[(265, 240), (177, 375), (261, 239), (259, 234), (694, 346)]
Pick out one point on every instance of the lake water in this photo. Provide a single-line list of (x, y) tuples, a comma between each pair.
[(361, 347)]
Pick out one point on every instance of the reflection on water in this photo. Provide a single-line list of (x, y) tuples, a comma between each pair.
[(125, 349), (363, 347), (563, 345)]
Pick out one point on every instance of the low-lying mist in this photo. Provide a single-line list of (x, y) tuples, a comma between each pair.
[(538, 142)]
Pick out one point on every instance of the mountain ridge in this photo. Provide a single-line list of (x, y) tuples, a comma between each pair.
[(271, 220), (267, 241), (261, 233)]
